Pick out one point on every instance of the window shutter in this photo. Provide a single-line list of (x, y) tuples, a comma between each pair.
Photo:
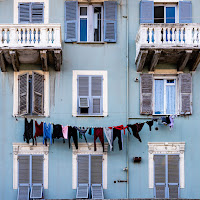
[(38, 93), (37, 12), (83, 102), (23, 86), (83, 176), (97, 191), (146, 87), (185, 88), (24, 170), (173, 176), (159, 169), (23, 193), (24, 12), (110, 21), (71, 18), (185, 12), (159, 97), (146, 12)]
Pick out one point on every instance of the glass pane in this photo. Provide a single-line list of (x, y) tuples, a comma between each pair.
[(159, 96), (97, 23), (159, 14), (171, 99), (170, 14), (83, 29), (83, 11)]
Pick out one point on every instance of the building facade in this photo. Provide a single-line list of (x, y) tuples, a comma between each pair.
[(99, 64)]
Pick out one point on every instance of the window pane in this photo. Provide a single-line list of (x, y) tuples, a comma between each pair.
[(83, 11), (170, 14), (83, 29), (159, 96), (97, 23), (159, 14), (171, 99)]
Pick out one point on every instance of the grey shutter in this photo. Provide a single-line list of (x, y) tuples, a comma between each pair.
[(96, 169), (110, 21), (173, 176), (38, 93), (23, 94), (37, 13), (146, 12), (24, 170), (24, 12), (185, 12), (83, 102), (185, 88), (160, 180), (96, 87), (146, 89), (97, 191), (71, 18), (23, 193), (83, 176)]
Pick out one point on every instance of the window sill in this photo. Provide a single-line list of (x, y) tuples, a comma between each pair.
[(31, 116), (89, 115), (90, 42)]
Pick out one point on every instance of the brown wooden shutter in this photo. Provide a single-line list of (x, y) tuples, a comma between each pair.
[(23, 93), (38, 93), (185, 88), (146, 90)]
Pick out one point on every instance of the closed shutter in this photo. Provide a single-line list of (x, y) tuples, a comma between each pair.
[(23, 93), (37, 12), (96, 87), (24, 12), (185, 12), (110, 21), (173, 176), (83, 176), (160, 180), (38, 93), (185, 88), (71, 18), (146, 11), (146, 87)]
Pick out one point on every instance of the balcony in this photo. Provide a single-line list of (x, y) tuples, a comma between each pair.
[(30, 44), (177, 44)]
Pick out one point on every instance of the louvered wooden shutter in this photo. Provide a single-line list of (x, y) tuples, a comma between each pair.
[(96, 87), (146, 88), (23, 91), (24, 170), (71, 18), (23, 193), (97, 191), (185, 12), (146, 12), (185, 88), (37, 12), (83, 176), (160, 180), (110, 21), (173, 176), (38, 93), (24, 12)]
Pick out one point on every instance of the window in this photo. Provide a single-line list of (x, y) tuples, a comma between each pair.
[(89, 93), (84, 23), (31, 93)]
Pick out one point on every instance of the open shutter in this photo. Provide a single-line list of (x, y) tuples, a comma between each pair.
[(23, 193), (83, 176), (173, 176), (24, 12), (185, 88), (185, 12), (110, 21), (97, 94), (37, 13), (23, 93), (38, 93), (97, 191), (71, 18), (146, 88), (146, 12), (160, 180), (37, 176)]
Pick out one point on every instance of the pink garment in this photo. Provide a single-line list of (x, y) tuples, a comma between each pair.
[(65, 132)]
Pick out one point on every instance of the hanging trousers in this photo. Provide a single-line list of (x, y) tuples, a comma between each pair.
[(98, 133), (28, 132), (118, 134), (72, 132)]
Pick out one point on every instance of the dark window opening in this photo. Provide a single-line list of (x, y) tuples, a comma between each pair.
[(159, 14), (84, 110), (30, 96), (97, 23)]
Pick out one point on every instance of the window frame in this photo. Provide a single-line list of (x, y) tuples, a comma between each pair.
[(176, 93), (16, 93)]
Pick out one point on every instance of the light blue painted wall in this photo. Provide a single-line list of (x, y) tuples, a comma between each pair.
[(110, 57)]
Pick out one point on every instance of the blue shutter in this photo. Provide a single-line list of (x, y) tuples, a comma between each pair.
[(185, 12), (37, 13), (159, 97), (24, 12), (71, 17), (171, 99), (146, 12), (110, 21)]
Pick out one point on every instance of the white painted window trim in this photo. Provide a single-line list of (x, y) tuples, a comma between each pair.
[(166, 148), (177, 93), (76, 73), (46, 91), (166, 1), (83, 148), (29, 149), (46, 9)]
